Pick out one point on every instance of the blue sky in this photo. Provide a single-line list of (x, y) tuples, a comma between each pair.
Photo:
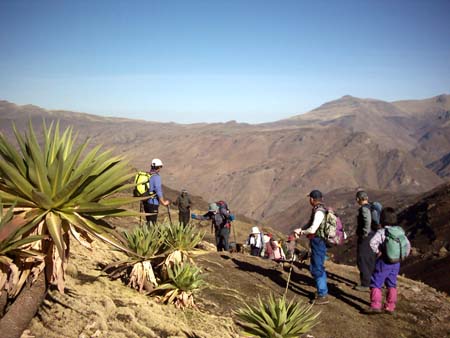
[(214, 61)]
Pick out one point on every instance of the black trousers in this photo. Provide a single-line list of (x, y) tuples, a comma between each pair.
[(365, 259), (151, 208), (184, 217)]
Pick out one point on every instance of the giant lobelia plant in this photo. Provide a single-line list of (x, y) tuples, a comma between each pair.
[(144, 244), (62, 192), (276, 318), (18, 258)]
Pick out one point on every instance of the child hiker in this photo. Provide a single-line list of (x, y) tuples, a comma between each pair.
[(390, 245)]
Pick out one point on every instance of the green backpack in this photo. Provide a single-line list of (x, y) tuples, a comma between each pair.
[(395, 244), (142, 182)]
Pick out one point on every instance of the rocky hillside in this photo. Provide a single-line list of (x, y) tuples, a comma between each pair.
[(427, 223), (262, 169), (94, 306)]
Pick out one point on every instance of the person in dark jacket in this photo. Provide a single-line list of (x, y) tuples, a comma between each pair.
[(318, 245), (365, 257), (220, 223), (184, 207)]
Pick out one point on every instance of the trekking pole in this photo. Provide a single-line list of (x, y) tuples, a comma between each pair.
[(289, 275), (170, 217), (141, 210), (290, 271)]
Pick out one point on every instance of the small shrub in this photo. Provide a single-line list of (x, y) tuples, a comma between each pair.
[(276, 319), (146, 241), (183, 280)]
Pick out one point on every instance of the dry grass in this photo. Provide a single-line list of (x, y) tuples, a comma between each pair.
[(95, 306)]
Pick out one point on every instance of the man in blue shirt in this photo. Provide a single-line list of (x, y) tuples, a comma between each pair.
[(151, 205)]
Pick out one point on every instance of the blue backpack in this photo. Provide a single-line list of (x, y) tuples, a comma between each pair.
[(375, 213)]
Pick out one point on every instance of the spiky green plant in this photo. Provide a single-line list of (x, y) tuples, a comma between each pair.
[(180, 241), (276, 319), (183, 238), (146, 243), (63, 193), (17, 256), (183, 280)]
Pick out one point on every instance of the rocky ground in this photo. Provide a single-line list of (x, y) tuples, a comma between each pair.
[(94, 306)]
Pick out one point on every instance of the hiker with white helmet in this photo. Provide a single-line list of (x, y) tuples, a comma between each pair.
[(255, 241), (220, 223), (151, 205)]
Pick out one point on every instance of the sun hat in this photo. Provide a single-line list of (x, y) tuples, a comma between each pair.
[(213, 207), (255, 230)]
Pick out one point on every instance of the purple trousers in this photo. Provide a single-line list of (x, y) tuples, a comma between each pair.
[(384, 273)]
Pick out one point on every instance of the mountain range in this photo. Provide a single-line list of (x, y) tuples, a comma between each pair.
[(264, 170)]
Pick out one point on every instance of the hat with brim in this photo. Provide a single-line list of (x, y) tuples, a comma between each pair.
[(213, 207), (255, 230)]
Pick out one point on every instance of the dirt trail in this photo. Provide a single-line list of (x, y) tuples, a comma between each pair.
[(94, 306)]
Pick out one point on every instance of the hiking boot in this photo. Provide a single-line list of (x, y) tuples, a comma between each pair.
[(361, 288), (372, 311), (321, 300)]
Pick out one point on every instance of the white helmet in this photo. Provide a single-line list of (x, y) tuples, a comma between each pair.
[(156, 162)]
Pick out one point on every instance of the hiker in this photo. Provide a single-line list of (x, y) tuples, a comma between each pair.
[(277, 250), (290, 247), (255, 241), (220, 223), (364, 232), (386, 272), (152, 204), (318, 245), (267, 246), (184, 207), (273, 250)]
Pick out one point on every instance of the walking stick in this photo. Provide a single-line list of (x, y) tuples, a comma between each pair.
[(141, 210), (170, 217), (289, 276)]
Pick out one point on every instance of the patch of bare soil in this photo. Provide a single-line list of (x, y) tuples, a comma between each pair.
[(94, 306)]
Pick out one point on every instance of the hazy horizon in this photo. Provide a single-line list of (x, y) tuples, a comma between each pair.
[(192, 62)]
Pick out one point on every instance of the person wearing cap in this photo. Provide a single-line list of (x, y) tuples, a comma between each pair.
[(184, 207), (318, 245), (151, 205), (255, 241), (365, 257), (220, 225)]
